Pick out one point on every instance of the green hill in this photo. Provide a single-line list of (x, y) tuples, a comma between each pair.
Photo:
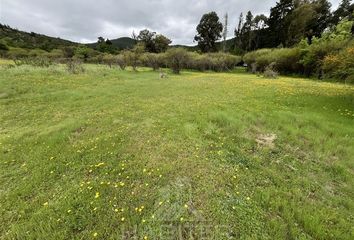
[(21, 39), (124, 42), (119, 43), (29, 40)]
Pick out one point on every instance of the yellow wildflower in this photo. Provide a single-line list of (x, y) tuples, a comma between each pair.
[(97, 195)]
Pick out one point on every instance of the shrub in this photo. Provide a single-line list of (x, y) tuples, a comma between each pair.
[(132, 57), (17, 53), (36, 53), (200, 62), (3, 47), (121, 61), (152, 60), (340, 65), (68, 52), (75, 67), (177, 58), (223, 62), (109, 59), (35, 62), (212, 61), (251, 58), (55, 54), (284, 60), (312, 56)]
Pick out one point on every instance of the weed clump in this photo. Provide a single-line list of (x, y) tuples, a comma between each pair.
[(75, 67), (35, 62)]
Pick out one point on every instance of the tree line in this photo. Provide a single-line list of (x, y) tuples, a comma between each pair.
[(288, 23)]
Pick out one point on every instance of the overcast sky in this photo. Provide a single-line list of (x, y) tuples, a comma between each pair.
[(85, 20)]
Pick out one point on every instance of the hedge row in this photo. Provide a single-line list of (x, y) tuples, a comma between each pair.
[(331, 56), (176, 59)]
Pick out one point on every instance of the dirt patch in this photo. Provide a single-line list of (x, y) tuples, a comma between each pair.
[(3, 95), (266, 140)]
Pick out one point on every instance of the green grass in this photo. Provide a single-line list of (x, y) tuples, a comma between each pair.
[(96, 155), (6, 62)]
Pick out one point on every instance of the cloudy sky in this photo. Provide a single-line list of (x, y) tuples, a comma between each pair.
[(85, 20)]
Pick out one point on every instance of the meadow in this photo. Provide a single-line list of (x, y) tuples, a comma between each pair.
[(111, 154)]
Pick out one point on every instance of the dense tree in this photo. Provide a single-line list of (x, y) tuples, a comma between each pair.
[(344, 10), (83, 52), (260, 24), (209, 31), (3, 47), (278, 21), (299, 21), (105, 46), (161, 43), (100, 40), (68, 52), (238, 41), (154, 43), (146, 37), (308, 19), (247, 32), (321, 19)]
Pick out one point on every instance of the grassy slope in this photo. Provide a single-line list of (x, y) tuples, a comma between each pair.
[(17, 38), (99, 152)]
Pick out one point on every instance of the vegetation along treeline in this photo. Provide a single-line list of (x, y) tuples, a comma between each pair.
[(302, 37)]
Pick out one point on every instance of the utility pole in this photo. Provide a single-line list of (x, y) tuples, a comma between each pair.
[(224, 34)]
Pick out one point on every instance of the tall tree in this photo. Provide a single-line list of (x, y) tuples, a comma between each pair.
[(299, 23), (161, 43), (209, 31), (154, 43), (100, 40), (105, 46), (344, 10), (247, 32), (321, 20), (238, 36), (278, 21), (260, 24), (147, 38)]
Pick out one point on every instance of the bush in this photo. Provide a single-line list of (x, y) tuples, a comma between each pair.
[(132, 57), (17, 53), (152, 60), (109, 59), (35, 62), (200, 62), (36, 53), (177, 58), (75, 67), (121, 61), (314, 54), (223, 62), (213, 61), (251, 58), (340, 65), (3, 47), (283, 60), (55, 54)]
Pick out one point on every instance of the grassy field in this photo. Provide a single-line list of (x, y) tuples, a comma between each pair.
[(113, 154)]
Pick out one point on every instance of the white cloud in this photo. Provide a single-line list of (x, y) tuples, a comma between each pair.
[(85, 20)]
